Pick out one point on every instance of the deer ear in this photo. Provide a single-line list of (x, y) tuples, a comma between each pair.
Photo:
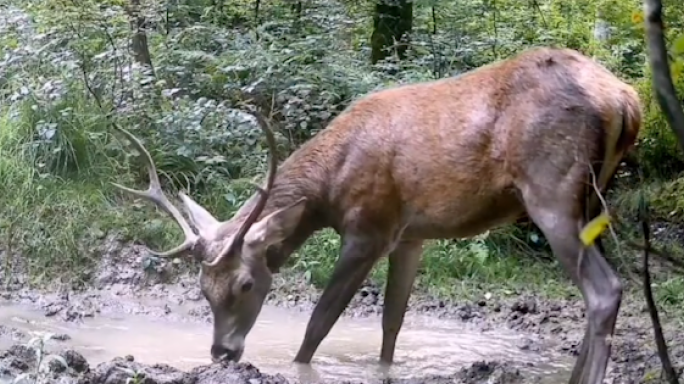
[(204, 221), (275, 227)]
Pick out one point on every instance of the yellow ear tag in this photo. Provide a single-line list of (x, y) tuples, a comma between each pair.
[(594, 228)]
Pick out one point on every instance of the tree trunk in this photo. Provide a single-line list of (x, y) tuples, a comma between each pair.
[(662, 78), (139, 47), (392, 24)]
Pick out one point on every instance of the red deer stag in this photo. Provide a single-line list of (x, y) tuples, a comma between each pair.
[(444, 159)]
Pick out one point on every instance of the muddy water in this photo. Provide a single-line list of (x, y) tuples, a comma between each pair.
[(425, 347)]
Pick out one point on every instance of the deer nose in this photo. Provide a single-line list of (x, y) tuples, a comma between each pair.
[(221, 353)]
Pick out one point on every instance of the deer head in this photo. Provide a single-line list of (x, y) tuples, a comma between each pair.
[(234, 277)]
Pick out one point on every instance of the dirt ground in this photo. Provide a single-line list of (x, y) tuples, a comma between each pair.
[(120, 275)]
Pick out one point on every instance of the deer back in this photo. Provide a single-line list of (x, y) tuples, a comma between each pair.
[(451, 154)]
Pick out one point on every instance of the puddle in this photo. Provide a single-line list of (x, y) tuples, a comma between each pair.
[(426, 346)]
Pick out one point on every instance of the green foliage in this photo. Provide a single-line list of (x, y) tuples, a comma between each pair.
[(496, 262), (659, 152), (664, 197), (67, 71)]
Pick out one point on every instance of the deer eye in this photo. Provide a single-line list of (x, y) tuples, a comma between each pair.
[(247, 286)]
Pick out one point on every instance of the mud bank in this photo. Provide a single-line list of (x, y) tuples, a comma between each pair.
[(124, 283), (71, 367)]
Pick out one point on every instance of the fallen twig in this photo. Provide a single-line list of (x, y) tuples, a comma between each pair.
[(677, 264)]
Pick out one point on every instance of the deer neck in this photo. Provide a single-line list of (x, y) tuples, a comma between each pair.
[(292, 182)]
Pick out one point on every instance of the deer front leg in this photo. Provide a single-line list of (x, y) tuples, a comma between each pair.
[(403, 266), (359, 254)]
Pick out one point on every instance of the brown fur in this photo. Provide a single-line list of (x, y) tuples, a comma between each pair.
[(444, 159), (448, 151)]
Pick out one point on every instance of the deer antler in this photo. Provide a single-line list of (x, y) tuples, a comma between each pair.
[(263, 195), (155, 194)]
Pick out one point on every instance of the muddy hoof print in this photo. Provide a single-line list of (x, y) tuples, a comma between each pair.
[(524, 307)]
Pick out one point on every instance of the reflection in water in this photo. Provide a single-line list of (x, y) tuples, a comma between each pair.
[(426, 346)]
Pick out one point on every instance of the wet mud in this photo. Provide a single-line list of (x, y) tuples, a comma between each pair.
[(124, 370), (547, 334)]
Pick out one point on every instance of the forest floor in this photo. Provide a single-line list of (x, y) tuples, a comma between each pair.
[(121, 286)]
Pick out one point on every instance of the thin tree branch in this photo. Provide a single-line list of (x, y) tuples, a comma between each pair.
[(539, 10), (434, 20), (669, 370)]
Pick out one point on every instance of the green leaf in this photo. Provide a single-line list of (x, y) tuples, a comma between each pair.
[(676, 70), (678, 45)]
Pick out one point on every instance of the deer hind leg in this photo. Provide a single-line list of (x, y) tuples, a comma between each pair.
[(359, 254), (593, 211), (556, 216), (404, 261)]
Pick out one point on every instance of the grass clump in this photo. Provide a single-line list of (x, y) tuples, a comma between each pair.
[(46, 216), (665, 198), (497, 262)]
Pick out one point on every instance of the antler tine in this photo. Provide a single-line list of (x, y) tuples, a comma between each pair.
[(155, 194), (263, 194)]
